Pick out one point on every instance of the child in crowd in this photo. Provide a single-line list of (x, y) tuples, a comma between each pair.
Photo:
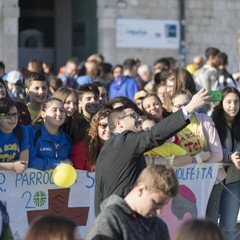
[(88, 100), (49, 144), (36, 89), (14, 147)]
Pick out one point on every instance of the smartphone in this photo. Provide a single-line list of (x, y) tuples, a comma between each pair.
[(215, 96)]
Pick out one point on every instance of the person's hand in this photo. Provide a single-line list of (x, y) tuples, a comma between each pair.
[(201, 157), (198, 100), (20, 166), (235, 158)]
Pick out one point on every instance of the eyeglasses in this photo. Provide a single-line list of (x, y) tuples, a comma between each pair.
[(10, 115), (103, 125), (133, 115), (180, 105)]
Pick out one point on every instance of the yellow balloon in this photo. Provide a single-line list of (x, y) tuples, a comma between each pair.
[(64, 175)]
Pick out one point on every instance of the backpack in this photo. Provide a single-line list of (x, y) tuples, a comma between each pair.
[(19, 134)]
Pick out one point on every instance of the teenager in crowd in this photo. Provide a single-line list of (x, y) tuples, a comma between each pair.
[(226, 116), (36, 89), (200, 139), (136, 215), (84, 153), (49, 144), (14, 146), (152, 105), (74, 125)]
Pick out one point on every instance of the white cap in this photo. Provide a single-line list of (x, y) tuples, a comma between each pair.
[(14, 77)]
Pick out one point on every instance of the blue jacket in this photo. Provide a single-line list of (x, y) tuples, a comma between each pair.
[(123, 86), (47, 151)]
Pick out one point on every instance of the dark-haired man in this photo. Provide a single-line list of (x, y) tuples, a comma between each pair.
[(121, 159)]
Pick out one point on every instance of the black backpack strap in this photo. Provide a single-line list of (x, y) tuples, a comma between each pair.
[(36, 137), (19, 134)]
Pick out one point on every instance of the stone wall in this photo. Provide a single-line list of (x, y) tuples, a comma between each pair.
[(208, 23), (9, 13)]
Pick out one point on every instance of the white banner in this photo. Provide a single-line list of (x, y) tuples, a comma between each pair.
[(147, 33), (33, 192), (191, 202)]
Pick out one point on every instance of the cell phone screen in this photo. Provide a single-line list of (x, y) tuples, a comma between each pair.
[(215, 96)]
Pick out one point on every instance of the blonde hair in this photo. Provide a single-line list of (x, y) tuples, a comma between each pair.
[(159, 178)]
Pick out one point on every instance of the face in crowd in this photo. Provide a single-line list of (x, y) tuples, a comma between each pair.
[(131, 120), (103, 129), (179, 101), (54, 115), (70, 105), (88, 104), (37, 91), (230, 104), (8, 121), (153, 106)]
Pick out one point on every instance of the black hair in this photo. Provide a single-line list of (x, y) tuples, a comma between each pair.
[(88, 87), (220, 120), (211, 51), (6, 104), (34, 76), (223, 59)]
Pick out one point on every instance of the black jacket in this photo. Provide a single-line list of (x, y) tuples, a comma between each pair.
[(121, 159)]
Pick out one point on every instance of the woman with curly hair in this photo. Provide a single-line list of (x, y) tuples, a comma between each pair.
[(84, 153)]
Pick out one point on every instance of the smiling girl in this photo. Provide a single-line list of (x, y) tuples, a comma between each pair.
[(13, 155), (74, 125), (49, 144), (152, 105), (226, 116)]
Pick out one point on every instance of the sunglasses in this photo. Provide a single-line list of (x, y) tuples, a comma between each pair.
[(103, 125), (133, 115), (10, 115)]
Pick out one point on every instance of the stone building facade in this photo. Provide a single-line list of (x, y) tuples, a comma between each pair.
[(207, 23)]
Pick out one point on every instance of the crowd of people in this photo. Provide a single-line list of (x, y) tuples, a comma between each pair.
[(116, 121)]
